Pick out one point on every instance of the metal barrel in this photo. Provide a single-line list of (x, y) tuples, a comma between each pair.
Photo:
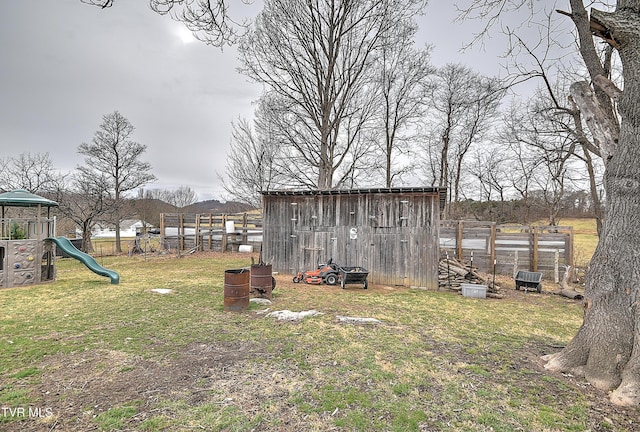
[(261, 280), (236, 290)]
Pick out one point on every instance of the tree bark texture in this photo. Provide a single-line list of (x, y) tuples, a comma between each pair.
[(607, 346)]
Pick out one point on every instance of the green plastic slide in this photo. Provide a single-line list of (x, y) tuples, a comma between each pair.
[(67, 247)]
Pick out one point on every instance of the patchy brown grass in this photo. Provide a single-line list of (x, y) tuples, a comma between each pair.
[(103, 357)]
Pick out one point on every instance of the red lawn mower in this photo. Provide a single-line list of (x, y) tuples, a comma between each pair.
[(325, 273)]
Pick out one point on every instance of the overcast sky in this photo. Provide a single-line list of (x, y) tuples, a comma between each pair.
[(63, 65)]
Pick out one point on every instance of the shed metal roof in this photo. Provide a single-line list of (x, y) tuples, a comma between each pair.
[(440, 192), (433, 190)]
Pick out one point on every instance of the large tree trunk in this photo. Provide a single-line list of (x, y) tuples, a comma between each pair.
[(87, 245), (607, 346), (593, 191), (118, 240)]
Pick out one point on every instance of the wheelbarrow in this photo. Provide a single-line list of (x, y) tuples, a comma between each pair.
[(529, 280), (353, 275)]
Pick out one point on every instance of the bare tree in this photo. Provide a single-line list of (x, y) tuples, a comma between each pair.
[(86, 201), (112, 155), (477, 120), (463, 105), (257, 160), (489, 166), (549, 149), (553, 182), (251, 164), (34, 173), (209, 21), (606, 348), (402, 80), (549, 62), (429, 156), (316, 56), (182, 197)]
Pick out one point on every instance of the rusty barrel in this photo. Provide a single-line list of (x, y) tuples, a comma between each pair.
[(236, 290), (261, 280)]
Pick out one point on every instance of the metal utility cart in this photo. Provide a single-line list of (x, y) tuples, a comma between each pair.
[(353, 275), (529, 280)]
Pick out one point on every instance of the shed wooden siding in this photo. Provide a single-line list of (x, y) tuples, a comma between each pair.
[(395, 230)]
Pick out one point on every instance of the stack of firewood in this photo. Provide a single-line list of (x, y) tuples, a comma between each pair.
[(452, 273)]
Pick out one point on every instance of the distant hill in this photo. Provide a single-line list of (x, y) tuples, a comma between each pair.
[(149, 209), (217, 207), (156, 204)]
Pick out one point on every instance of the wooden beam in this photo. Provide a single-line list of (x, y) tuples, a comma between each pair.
[(459, 240), (224, 233), (534, 249)]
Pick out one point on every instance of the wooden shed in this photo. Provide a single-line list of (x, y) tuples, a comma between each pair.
[(393, 233)]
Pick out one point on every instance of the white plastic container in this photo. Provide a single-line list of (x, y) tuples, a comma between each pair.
[(245, 248), (230, 227), (474, 290)]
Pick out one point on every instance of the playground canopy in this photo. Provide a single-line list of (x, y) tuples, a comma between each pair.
[(23, 198)]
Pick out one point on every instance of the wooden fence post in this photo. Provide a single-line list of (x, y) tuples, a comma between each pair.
[(534, 249), (244, 229), (181, 232), (492, 245), (570, 257), (224, 233), (198, 239), (459, 240), (162, 227)]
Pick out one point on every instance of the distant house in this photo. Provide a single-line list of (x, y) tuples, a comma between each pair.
[(128, 228)]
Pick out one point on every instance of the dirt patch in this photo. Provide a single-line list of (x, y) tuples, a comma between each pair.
[(243, 377), (78, 387)]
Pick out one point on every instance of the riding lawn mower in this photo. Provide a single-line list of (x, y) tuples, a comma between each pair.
[(325, 273)]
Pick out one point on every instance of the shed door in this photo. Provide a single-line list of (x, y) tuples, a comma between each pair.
[(389, 259), (316, 248)]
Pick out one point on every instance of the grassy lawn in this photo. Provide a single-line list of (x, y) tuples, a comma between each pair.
[(585, 236), (81, 354)]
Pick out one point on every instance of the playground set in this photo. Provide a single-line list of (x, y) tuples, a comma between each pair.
[(28, 242)]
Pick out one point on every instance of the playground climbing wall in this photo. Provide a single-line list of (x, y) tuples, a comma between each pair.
[(25, 262)]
